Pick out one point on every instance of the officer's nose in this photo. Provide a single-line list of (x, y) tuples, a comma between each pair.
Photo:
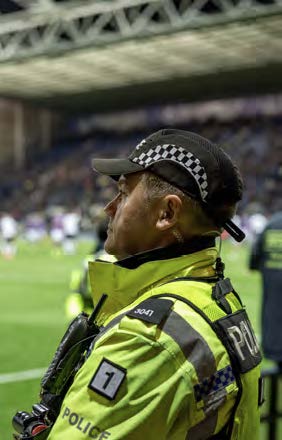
[(111, 207)]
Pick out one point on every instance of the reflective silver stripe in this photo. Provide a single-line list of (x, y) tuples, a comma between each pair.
[(103, 330), (111, 324), (198, 353), (192, 344), (204, 429)]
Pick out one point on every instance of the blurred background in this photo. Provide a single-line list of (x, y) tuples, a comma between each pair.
[(84, 78)]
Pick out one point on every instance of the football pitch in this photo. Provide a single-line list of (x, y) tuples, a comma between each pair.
[(33, 289)]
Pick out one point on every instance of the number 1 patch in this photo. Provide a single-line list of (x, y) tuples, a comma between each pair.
[(107, 379)]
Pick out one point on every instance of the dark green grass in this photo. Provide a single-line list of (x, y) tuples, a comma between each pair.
[(33, 288)]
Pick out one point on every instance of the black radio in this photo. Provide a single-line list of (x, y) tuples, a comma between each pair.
[(69, 357)]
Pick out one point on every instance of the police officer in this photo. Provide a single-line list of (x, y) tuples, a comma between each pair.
[(266, 256), (177, 357)]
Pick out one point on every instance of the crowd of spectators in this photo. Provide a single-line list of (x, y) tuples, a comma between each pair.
[(63, 177)]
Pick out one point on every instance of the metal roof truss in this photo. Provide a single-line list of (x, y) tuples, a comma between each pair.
[(48, 27), (64, 48)]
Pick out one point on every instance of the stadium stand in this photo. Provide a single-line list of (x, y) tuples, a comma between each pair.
[(63, 176)]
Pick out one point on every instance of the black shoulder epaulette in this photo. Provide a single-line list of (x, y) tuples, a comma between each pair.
[(153, 310)]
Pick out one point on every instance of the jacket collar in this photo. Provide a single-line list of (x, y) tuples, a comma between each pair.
[(164, 253), (126, 280)]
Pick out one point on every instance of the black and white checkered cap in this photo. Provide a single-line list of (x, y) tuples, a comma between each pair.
[(178, 155), (188, 161)]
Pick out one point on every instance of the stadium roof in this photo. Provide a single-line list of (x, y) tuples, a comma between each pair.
[(104, 55)]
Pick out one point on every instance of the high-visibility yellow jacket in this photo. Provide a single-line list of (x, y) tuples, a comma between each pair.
[(158, 370), (80, 297)]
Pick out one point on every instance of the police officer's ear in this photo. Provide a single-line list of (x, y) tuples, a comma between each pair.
[(169, 212)]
